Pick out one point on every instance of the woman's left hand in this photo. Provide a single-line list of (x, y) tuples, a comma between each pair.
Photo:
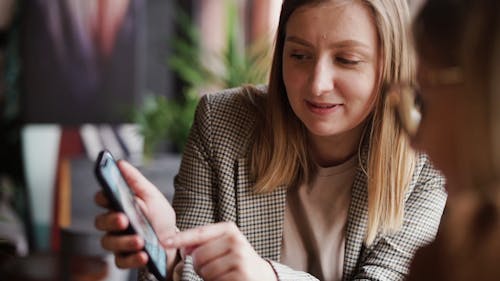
[(221, 252)]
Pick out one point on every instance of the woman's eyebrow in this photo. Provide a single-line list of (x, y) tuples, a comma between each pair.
[(300, 41), (350, 44), (337, 45)]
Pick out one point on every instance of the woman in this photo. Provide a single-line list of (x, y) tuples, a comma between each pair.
[(458, 126), (312, 172)]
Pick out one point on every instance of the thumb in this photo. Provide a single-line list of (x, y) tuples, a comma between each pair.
[(141, 186)]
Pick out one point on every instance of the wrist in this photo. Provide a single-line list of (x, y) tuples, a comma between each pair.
[(172, 260)]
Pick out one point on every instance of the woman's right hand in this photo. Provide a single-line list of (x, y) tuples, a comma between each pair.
[(128, 248)]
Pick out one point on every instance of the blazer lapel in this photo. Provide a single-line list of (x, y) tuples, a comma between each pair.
[(259, 216), (356, 224)]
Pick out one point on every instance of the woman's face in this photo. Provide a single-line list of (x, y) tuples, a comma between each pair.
[(330, 66)]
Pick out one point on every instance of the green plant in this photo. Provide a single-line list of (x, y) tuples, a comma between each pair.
[(159, 118), (172, 118), (241, 65), (151, 119)]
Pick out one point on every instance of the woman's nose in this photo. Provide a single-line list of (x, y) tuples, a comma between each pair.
[(322, 80)]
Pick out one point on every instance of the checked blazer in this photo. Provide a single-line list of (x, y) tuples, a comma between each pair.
[(213, 185)]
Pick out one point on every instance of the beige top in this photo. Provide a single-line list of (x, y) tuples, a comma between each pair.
[(315, 221)]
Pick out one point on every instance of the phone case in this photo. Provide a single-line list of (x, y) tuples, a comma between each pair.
[(155, 253)]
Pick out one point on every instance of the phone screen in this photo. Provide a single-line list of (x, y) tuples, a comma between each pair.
[(123, 199)]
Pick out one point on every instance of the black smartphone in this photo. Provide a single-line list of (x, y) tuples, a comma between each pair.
[(122, 199)]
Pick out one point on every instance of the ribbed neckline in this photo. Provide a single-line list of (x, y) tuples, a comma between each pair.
[(338, 169)]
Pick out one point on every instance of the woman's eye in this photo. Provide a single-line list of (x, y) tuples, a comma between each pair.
[(298, 56), (347, 61)]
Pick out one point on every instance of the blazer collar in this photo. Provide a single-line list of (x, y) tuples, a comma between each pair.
[(356, 224), (259, 216)]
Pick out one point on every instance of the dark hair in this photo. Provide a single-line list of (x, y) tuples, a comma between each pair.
[(438, 31), (447, 31)]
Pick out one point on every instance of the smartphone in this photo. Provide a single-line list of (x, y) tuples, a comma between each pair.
[(122, 199)]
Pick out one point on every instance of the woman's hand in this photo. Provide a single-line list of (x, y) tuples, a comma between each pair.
[(156, 208), (221, 252)]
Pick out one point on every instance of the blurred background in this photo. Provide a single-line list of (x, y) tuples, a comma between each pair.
[(77, 76)]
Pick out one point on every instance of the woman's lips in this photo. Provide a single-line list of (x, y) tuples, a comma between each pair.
[(322, 108)]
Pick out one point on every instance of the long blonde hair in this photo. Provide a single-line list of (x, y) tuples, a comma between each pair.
[(280, 154)]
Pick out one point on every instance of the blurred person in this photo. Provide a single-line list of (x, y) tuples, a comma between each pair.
[(6, 14), (310, 178), (80, 55), (453, 116)]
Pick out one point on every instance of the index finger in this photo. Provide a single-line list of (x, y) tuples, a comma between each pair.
[(200, 235)]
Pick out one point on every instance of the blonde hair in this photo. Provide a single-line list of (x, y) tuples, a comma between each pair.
[(280, 154)]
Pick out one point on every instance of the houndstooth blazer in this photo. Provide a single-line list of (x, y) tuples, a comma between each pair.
[(213, 185)]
